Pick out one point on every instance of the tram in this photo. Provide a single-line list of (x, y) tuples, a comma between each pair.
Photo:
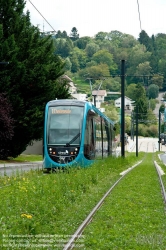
[(76, 133)]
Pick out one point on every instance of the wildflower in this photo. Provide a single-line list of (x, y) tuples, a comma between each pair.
[(23, 189), (28, 216)]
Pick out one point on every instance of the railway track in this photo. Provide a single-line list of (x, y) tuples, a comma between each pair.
[(145, 144), (78, 233)]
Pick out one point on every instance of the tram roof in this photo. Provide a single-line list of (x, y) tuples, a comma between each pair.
[(67, 102)]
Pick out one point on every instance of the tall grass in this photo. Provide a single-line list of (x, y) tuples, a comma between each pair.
[(36, 205)]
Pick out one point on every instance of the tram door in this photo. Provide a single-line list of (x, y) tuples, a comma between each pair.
[(89, 140)]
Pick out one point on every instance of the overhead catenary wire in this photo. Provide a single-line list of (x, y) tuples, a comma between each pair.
[(42, 16), (139, 15)]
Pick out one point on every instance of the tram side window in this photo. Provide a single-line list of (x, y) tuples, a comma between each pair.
[(89, 144), (105, 138), (98, 137)]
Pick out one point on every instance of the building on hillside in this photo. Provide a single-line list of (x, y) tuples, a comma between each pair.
[(72, 87), (80, 97), (112, 96), (99, 95), (128, 103)]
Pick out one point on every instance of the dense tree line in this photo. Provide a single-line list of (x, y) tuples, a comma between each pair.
[(100, 57), (29, 81), (145, 56)]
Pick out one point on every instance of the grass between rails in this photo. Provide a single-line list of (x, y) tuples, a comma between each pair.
[(54, 204), (133, 216)]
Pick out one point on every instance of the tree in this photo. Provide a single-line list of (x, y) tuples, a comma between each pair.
[(145, 40), (63, 47), (68, 64), (143, 69), (82, 42), (158, 80), (141, 102), (6, 126), (131, 91), (115, 37), (153, 91), (101, 36), (137, 55), (104, 57), (60, 34), (137, 93), (75, 63), (91, 48), (128, 41), (81, 56), (152, 104), (30, 78), (74, 34), (95, 71)]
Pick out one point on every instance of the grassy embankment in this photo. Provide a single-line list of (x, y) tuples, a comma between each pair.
[(37, 204)]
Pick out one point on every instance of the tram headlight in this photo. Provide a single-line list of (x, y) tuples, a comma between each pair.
[(76, 149), (50, 150)]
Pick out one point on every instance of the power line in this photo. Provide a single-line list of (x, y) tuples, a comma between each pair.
[(139, 15), (41, 15)]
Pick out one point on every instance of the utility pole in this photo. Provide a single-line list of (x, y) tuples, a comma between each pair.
[(137, 130), (132, 126), (159, 141), (122, 108)]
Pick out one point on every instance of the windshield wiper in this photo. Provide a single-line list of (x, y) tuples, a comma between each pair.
[(74, 138)]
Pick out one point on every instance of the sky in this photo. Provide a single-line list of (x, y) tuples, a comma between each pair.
[(93, 16)]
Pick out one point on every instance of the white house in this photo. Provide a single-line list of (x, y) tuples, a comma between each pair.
[(72, 87), (99, 94), (127, 102), (80, 97)]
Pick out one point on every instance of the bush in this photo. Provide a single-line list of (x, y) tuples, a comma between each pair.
[(148, 131)]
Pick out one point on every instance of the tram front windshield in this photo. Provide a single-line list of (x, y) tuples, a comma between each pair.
[(64, 125)]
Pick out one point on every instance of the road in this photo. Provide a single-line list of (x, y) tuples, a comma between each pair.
[(160, 96), (13, 168), (144, 145)]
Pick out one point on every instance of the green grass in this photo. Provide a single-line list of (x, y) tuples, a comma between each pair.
[(82, 86), (35, 205), (55, 204), (23, 158), (133, 217)]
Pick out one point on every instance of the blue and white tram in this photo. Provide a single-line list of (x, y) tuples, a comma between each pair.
[(75, 133)]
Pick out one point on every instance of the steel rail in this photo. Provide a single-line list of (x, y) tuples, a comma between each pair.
[(79, 231), (160, 173)]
